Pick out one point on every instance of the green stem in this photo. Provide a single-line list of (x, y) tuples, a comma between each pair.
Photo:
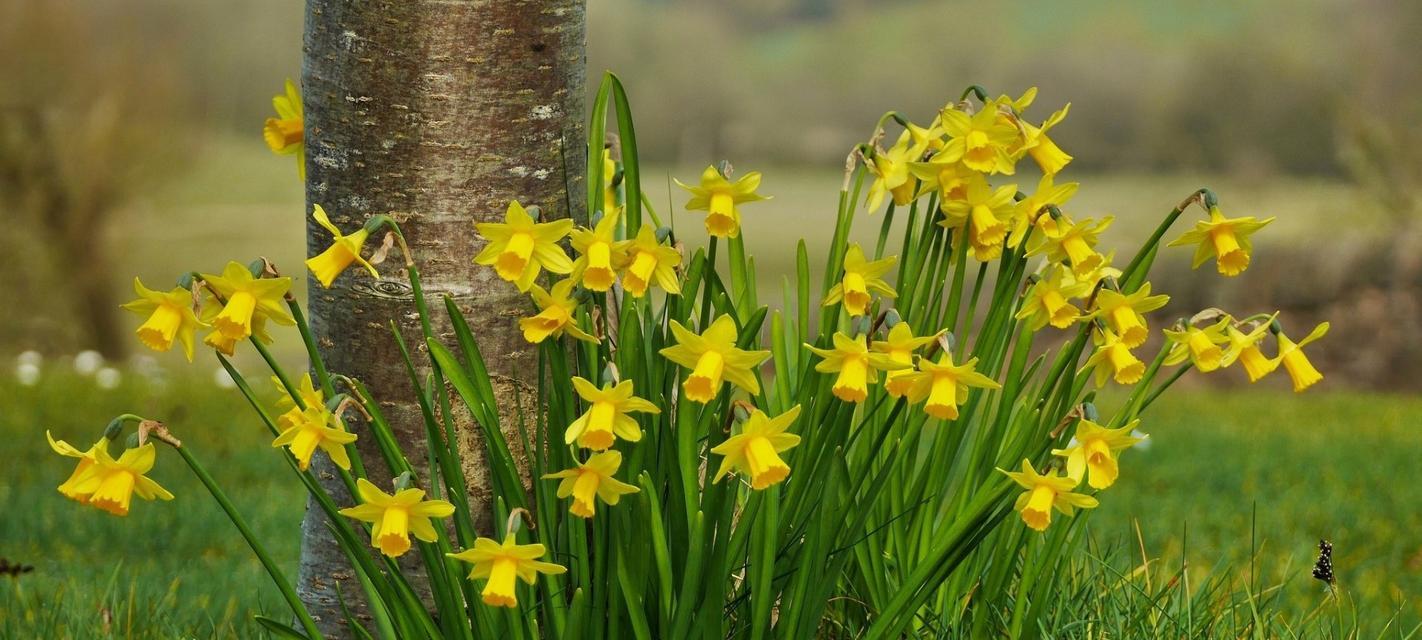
[(312, 354)]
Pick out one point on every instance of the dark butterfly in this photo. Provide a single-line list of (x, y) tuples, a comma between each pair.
[(13, 570), (1323, 568)]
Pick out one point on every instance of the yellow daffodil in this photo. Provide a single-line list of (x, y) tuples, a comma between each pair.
[(1200, 346), (611, 203), (110, 484), (1095, 450), (942, 386), (649, 261), (310, 396), (1034, 207), (1244, 348), (1048, 300), (520, 248), (314, 431), (755, 451), (1125, 312), (170, 317), (949, 179), (720, 198), (395, 517), (1295, 362), (285, 134), (861, 276), (1227, 240), (1073, 242), (606, 418), (344, 250), (890, 168), (600, 254), (712, 358), (500, 564), (86, 462), (856, 364), (1048, 156), (1113, 359), (985, 213), (899, 347), (981, 140), (1044, 493), (555, 316), (223, 344), (248, 298), (590, 481)]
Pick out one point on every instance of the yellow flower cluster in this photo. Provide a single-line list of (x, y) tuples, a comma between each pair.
[(1225, 341)]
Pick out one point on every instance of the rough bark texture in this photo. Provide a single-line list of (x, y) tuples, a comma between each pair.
[(437, 113)]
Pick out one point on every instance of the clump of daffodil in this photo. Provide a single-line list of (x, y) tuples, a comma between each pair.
[(861, 276), (519, 248), (310, 397), (170, 317), (344, 250), (980, 140), (755, 451), (899, 347), (285, 134), (314, 431), (856, 364), (1125, 312), (1225, 239), (1048, 195), (591, 481), (985, 214), (1113, 359), (600, 254), (395, 517), (555, 314), (86, 462), (1200, 346), (109, 484), (713, 358), (942, 385), (1074, 243), (720, 199), (500, 564), (1095, 450), (1048, 301), (248, 299), (1296, 362), (606, 418), (1244, 348), (890, 168), (649, 261), (1044, 493)]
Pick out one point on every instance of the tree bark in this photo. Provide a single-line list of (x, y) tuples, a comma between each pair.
[(437, 113)]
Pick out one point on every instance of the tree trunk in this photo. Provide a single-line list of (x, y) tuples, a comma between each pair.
[(437, 113)]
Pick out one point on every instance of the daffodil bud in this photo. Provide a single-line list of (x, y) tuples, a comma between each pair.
[(610, 373), (257, 267), (375, 222), (859, 325), (740, 412), (114, 429), (663, 233), (891, 318), (535, 212), (185, 281), (1089, 411), (404, 481), (131, 442)]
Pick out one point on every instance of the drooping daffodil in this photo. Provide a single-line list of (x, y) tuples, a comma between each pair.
[(606, 418), (592, 481), (755, 451), (899, 347), (713, 358), (344, 250), (861, 277), (394, 517), (856, 365), (942, 386), (1095, 452), (1045, 493), (1225, 239), (519, 248), (556, 314), (501, 564), (721, 199), (170, 317), (314, 431), (248, 298)]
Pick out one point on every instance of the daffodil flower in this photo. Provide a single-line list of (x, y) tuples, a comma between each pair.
[(981, 140), (1073, 242), (1125, 312), (1034, 207), (285, 134), (1296, 363), (1200, 346), (755, 451), (899, 347), (611, 204), (600, 254), (110, 484), (344, 250), (310, 396), (519, 248), (713, 358), (985, 214), (1226, 240), (223, 344), (86, 462), (170, 317), (395, 517), (1044, 493), (649, 261), (720, 199), (555, 314), (949, 179), (590, 481), (1113, 359), (248, 298), (1095, 450), (861, 276), (500, 564), (1049, 157), (1244, 348), (942, 386), (856, 364), (314, 431), (890, 168), (1048, 301), (606, 418)]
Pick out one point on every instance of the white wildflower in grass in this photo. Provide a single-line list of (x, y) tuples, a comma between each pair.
[(108, 378), (88, 362)]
